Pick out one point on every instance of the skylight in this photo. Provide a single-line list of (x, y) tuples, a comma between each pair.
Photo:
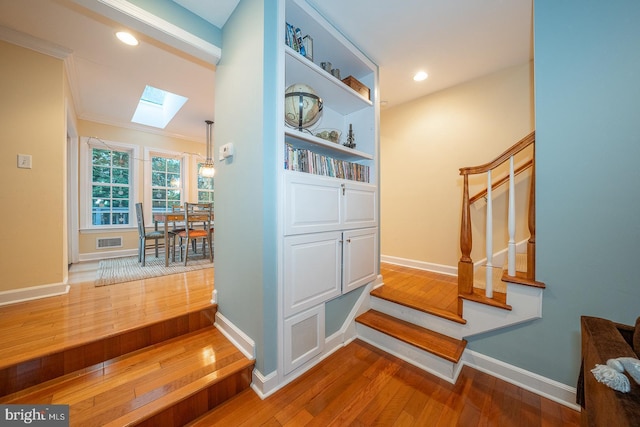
[(157, 107)]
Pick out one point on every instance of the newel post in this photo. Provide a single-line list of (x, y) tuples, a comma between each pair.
[(531, 244), (465, 265)]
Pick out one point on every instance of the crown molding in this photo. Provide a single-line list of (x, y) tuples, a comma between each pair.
[(30, 42)]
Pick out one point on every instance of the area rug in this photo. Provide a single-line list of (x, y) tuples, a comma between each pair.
[(118, 270)]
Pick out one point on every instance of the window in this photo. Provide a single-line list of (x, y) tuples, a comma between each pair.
[(205, 188), (108, 178), (157, 107), (165, 182), (110, 186)]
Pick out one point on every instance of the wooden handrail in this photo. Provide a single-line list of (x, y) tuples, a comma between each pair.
[(501, 181), (515, 149), (465, 264)]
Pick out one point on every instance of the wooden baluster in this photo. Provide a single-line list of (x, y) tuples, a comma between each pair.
[(489, 241), (465, 265), (531, 244), (511, 253)]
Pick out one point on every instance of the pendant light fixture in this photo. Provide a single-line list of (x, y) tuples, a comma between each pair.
[(207, 170)]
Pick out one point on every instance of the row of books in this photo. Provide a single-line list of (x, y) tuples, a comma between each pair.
[(294, 39), (301, 160)]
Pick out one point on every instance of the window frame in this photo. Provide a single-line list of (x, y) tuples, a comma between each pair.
[(86, 183), (150, 152), (197, 162)]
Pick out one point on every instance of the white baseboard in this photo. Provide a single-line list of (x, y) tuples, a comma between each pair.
[(234, 334), (543, 386), (499, 258), (378, 282), (31, 293), (420, 265), (264, 386), (96, 256)]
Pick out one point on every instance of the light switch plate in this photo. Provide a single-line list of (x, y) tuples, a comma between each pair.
[(24, 161)]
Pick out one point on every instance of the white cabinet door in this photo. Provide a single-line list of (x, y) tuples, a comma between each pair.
[(303, 337), (359, 258), (312, 270), (315, 203), (312, 204), (359, 205)]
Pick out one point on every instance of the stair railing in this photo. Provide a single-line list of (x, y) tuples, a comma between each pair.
[(465, 265)]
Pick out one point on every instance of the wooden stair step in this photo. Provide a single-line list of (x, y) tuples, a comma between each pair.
[(169, 383), (521, 273), (407, 300), (30, 368), (435, 343)]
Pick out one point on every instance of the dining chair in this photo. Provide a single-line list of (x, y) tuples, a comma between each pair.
[(206, 207), (190, 233), (176, 228), (144, 235)]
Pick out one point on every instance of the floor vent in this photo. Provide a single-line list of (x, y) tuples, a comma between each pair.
[(108, 242)]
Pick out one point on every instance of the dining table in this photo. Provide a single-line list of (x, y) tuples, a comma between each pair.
[(176, 216)]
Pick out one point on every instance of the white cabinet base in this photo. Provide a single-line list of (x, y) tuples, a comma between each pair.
[(303, 337)]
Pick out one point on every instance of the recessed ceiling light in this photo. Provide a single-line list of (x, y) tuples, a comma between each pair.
[(127, 38), (420, 76)]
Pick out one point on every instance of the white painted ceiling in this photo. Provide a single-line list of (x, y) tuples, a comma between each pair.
[(452, 40)]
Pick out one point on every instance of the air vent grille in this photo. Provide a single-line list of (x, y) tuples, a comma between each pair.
[(108, 242)]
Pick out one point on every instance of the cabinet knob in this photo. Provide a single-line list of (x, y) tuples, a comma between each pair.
[(343, 187), (348, 240)]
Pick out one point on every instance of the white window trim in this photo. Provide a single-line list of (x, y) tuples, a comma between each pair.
[(86, 144), (184, 183), (195, 159)]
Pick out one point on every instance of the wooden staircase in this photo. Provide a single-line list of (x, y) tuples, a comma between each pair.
[(485, 298), (167, 372), (432, 336)]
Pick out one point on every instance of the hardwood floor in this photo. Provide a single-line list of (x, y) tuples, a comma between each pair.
[(86, 312), (357, 385), (421, 290), (360, 385)]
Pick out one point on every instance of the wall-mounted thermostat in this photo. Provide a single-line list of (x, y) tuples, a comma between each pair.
[(225, 151)]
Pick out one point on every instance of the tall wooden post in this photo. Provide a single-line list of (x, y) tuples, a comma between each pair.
[(465, 265), (531, 244)]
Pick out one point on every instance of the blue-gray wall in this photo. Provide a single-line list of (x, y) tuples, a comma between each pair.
[(271, 97), (244, 270), (587, 95)]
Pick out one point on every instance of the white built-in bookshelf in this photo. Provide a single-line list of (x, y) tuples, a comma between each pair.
[(343, 106), (329, 239)]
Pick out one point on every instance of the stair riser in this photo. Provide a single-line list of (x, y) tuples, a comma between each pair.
[(424, 360), (526, 305), (18, 377), (417, 317), (196, 405)]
